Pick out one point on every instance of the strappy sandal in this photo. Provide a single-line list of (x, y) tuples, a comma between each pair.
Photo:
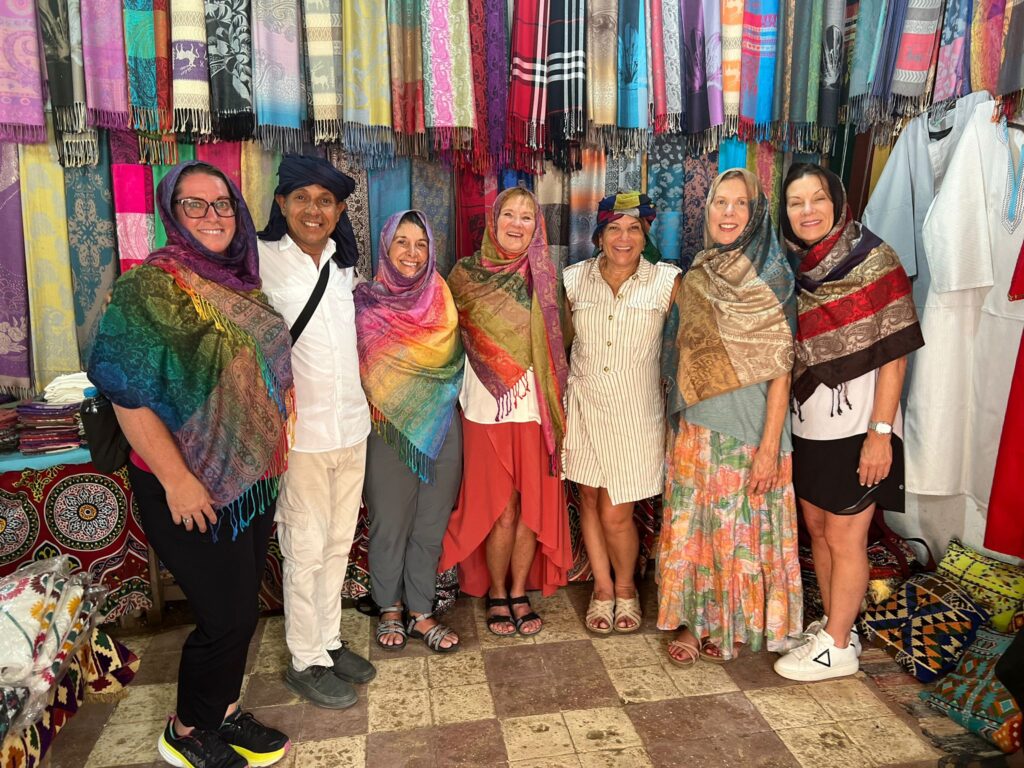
[(520, 620), (434, 636), (598, 610), (717, 658), (391, 627), (692, 650), (627, 608), (493, 621)]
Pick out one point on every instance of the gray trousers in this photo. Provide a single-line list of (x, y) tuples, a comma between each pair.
[(408, 519)]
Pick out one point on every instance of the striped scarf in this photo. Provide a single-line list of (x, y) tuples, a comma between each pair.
[(190, 71), (633, 114), (528, 89), (566, 73), (602, 59), (448, 82), (885, 59), (103, 52), (757, 68), (277, 60), (229, 45), (321, 29), (21, 93), (732, 38), (918, 42), (410, 354), (405, 47)]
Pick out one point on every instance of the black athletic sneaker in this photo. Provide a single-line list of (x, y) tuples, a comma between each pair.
[(259, 744), (200, 749)]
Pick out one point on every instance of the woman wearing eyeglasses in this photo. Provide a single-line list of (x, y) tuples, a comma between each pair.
[(728, 574), (197, 365)]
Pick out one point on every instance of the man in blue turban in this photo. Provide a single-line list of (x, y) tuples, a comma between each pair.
[(307, 261)]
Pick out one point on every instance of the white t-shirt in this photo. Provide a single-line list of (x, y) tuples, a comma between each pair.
[(480, 406), (832, 414)]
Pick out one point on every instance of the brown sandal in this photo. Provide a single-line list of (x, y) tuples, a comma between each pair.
[(692, 650), (716, 657)]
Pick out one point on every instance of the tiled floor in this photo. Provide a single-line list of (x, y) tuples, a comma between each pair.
[(564, 698)]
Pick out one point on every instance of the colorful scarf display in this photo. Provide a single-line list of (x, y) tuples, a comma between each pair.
[(15, 375), (509, 317), (732, 38), (805, 69), (405, 47), (665, 184), (141, 56), (229, 360), (757, 68), (887, 48), (855, 308), (103, 52), (321, 27), (783, 70), (277, 60), (133, 200), (659, 99), (635, 204), (914, 58), (712, 14), (672, 33), (952, 77), (47, 265), (496, 45), (735, 312), (870, 18), (448, 82), (21, 92), (229, 45), (602, 70), (367, 84), (553, 195), (410, 354), (567, 87), (65, 77), (480, 158), (986, 49), (77, 142), (528, 85), (633, 113), (190, 71), (432, 194)]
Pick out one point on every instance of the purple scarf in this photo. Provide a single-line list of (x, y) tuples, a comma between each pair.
[(496, 47)]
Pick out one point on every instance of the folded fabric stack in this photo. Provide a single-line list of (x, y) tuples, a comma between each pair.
[(67, 389), (8, 429), (49, 428)]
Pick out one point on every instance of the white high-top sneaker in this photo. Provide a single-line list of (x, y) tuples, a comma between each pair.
[(818, 659)]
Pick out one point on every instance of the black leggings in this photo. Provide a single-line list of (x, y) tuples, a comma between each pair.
[(221, 581)]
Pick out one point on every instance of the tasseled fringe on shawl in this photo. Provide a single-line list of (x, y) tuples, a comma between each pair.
[(797, 137), (280, 138), (748, 130), (327, 131), (145, 118), (826, 140), (102, 118), (76, 150), (705, 141), (20, 392), (524, 159), (507, 401), (416, 460), (70, 119), (375, 144), (448, 139), (602, 136), (566, 156), (192, 120), (526, 133), (242, 511), (153, 150), (909, 106), (412, 144), (567, 126), (731, 125), (234, 126), (16, 133), (632, 141)]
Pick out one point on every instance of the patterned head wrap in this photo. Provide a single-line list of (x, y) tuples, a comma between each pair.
[(635, 204)]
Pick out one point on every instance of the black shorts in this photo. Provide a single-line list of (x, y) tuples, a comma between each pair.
[(825, 474)]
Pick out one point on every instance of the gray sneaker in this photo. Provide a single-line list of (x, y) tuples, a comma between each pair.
[(351, 666), (321, 686)]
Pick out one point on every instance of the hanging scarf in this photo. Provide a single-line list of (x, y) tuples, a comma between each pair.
[(623, 171), (77, 143), (665, 175), (358, 211), (229, 45), (952, 75), (448, 83), (190, 71), (258, 170), (986, 44), (226, 156), (783, 74), (830, 90), (553, 195), (804, 65), (918, 42), (141, 57), (15, 373), (474, 197), (390, 191), (870, 18), (885, 61), (229, 359), (732, 37), (712, 15), (586, 188), (92, 243), (432, 194), (855, 307), (1011, 73), (659, 99), (277, 61), (509, 317), (105, 71), (631, 98), (738, 311), (21, 91), (367, 84), (48, 266), (65, 77), (133, 200), (602, 70), (162, 47), (321, 29), (496, 44), (567, 86), (528, 90), (635, 204), (405, 47), (410, 354), (757, 67), (480, 158), (671, 31), (699, 171)]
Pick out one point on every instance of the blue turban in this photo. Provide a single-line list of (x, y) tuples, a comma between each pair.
[(297, 171)]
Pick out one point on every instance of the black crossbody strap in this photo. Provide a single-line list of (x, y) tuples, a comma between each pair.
[(311, 304)]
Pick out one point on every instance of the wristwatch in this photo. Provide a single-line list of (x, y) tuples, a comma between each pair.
[(881, 427)]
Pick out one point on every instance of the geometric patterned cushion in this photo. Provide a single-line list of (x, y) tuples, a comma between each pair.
[(973, 697), (926, 625), (1017, 622), (996, 586)]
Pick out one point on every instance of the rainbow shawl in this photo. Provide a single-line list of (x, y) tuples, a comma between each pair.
[(510, 321), (410, 354)]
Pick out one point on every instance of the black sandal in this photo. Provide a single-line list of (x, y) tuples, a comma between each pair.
[(493, 621), (391, 627), (520, 620), (434, 636)]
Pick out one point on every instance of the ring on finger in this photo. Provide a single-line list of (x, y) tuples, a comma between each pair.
[(188, 521)]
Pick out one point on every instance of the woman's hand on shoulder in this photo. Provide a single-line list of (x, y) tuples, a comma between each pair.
[(764, 471), (190, 504)]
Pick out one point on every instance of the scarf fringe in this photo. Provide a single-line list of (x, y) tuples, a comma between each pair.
[(21, 392), (280, 138), (104, 118), (242, 511), (705, 141), (567, 126), (748, 130), (826, 140), (602, 136), (567, 156), (799, 137), (192, 120), (908, 106), (70, 118), (375, 144), (234, 126), (145, 118), (448, 139), (632, 141), (419, 463), (78, 150), (16, 133), (526, 133), (327, 131), (508, 399), (857, 110), (412, 144), (153, 150)]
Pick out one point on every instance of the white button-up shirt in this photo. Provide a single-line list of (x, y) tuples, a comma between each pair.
[(331, 406)]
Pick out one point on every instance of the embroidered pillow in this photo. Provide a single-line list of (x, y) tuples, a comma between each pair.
[(996, 586), (973, 696), (926, 625)]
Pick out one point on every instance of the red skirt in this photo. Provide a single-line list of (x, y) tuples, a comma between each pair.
[(500, 459)]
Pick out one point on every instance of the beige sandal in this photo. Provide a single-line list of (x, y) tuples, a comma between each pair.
[(600, 609), (715, 655), (692, 650), (627, 608)]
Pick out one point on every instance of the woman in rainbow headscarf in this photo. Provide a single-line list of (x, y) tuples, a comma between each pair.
[(410, 364), (198, 366), (510, 529), (615, 408)]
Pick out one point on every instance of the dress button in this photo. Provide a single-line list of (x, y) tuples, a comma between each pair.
[(609, 343), (611, 317), (606, 369)]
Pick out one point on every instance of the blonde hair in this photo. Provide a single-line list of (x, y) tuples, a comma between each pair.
[(752, 184), (515, 193)]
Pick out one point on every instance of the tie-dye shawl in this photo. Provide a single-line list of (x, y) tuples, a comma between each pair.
[(410, 354)]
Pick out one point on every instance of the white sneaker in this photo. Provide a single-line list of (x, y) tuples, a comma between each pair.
[(819, 624), (818, 659)]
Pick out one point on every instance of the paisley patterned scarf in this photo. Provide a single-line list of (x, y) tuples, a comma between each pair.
[(671, 31), (21, 93), (367, 84), (105, 69), (448, 86), (410, 354), (952, 71), (405, 48), (277, 60)]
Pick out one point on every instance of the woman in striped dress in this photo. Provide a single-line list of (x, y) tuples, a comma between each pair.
[(614, 406), (728, 573)]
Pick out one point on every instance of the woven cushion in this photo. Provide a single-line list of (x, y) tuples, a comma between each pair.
[(1017, 622), (973, 697), (926, 624), (996, 586)]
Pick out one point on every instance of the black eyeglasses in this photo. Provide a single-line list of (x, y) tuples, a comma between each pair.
[(196, 208)]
